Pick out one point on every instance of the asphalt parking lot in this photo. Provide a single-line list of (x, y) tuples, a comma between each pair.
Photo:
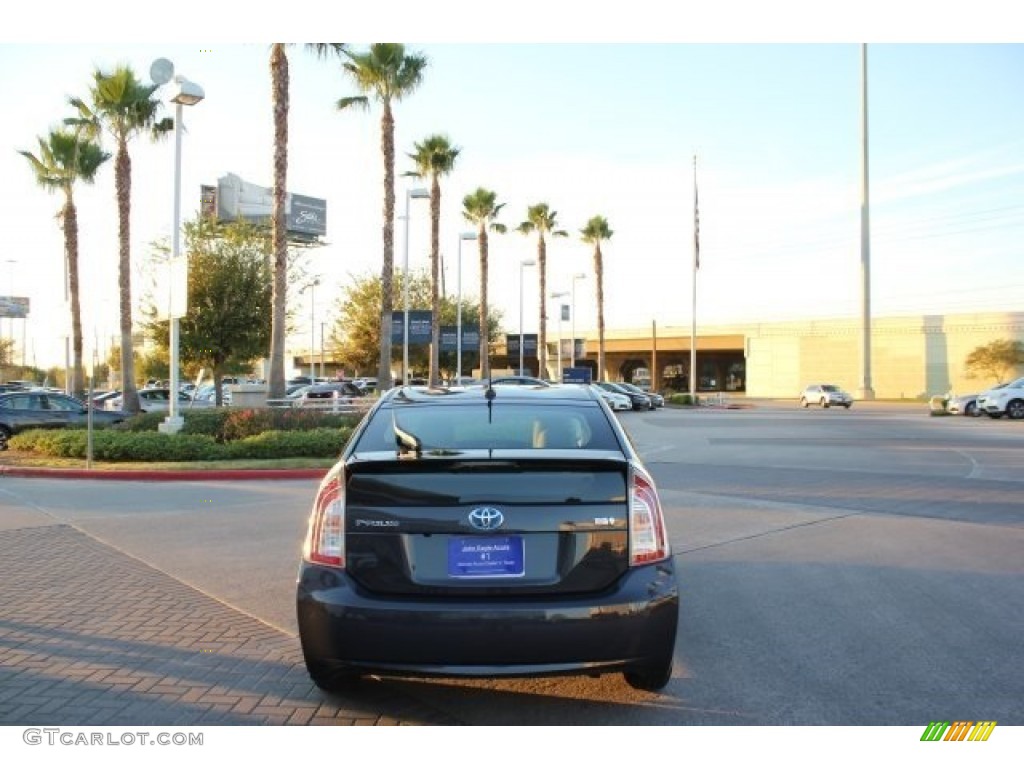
[(842, 568)]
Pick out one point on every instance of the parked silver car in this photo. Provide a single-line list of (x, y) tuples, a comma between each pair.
[(157, 399), (825, 395)]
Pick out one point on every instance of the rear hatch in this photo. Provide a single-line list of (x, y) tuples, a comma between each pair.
[(488, 522)]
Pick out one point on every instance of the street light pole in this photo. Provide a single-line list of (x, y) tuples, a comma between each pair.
[(312, 328), (10, 322), (522, 264), (418, 192), (559, 295), (458, 310), (186, 93), (572, 354)]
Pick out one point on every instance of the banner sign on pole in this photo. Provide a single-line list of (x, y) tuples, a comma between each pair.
[(419, 326)]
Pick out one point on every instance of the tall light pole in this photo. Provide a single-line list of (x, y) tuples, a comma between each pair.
[(184, 93), (458, 309), (522, 265), (866, 391), (572, 354), (322, 375), (559, 295), (10, 292), (312, 328), (418, 193)]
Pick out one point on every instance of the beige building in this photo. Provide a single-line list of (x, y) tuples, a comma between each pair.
[(911, 357)]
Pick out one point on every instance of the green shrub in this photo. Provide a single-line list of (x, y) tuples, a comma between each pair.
[(155, 446), (123, 445), (141, 422), (680, 398), (315, 443), (68, 443), (251, 422), (206, 421)]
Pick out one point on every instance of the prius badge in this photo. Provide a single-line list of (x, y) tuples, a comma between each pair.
[(486, 518)]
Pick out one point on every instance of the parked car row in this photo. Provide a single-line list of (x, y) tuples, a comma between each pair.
[(1006, 399), (41, 409), (620, 396)]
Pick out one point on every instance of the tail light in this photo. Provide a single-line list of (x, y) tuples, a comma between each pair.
[(325, 539), (648, 540)]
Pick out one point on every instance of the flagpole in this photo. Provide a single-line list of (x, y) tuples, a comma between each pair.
[(693, 313), (865, 391)]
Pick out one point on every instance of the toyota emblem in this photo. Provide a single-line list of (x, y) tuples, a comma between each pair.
[(486, 518)]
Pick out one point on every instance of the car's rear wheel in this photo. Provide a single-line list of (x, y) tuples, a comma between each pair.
[(1015, 409), (5, 435), (649, 678), (331, 677), (971, 409)]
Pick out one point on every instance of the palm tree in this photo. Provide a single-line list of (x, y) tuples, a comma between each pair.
[(434, 157), (279, 78), (387, 73), (125, 107), (66, 157), (481, 208), (594, 233), (542, 220)]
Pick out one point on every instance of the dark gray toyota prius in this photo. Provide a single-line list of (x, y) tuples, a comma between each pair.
[(501, 532)]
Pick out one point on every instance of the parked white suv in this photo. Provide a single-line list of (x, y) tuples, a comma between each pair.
[(1007, 400)]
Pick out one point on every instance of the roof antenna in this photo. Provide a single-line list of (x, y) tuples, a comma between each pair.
[(490, 394)]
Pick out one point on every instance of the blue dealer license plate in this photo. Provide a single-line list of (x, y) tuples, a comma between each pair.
[(490, 557)]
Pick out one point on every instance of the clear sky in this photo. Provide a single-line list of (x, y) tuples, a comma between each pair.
[(592, 121)]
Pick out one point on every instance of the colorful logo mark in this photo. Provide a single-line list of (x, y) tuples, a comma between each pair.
[(961, 730)]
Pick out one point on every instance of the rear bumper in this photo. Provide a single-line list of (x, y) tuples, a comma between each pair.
[(631, 625)]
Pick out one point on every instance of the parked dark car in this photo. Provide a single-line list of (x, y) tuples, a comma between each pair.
[(638, 400), (335, 390), (653, 398), (34, 409), (507, 532)]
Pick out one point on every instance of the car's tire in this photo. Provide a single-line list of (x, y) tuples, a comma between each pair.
[(649, 678), (1015, 409), (847, 406), (824, 403), (971, 409), (803, 402), (5, 435), (331, 677)]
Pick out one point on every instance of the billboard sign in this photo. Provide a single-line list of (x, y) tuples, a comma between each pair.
[(234, 198), (419, 326), (14, 306)]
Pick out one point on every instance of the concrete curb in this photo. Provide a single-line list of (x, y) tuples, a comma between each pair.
[(156, 475)]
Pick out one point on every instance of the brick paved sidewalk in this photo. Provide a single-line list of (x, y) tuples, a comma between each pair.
[(91, 636)]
